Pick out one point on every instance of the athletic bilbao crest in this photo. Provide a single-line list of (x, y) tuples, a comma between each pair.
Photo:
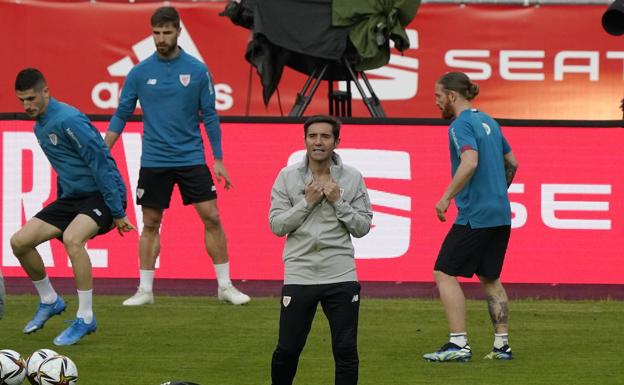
[(185, 79), (140, 193), (53, 139), (286, 300)]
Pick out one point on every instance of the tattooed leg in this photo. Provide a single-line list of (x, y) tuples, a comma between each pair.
[(498, 305), (499, 313)]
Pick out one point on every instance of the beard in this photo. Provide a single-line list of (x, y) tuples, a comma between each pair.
[(166, 50), (447, 111)]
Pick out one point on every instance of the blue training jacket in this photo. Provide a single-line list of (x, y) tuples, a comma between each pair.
[(171, 93), (79, 156)]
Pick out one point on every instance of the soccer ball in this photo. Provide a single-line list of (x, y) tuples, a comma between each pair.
[(33, 362), (12, 367), (57, 370)]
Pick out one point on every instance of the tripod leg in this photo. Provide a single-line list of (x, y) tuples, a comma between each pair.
[(304, 97), (375, 105), (372, 102)]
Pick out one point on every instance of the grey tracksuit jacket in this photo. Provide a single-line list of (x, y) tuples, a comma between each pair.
[(318, 245)]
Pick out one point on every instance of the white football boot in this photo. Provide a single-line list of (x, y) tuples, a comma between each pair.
[(232, 295), (141, 297)]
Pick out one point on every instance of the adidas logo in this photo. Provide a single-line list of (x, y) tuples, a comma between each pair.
[(398, 80), (145, 48), (105, 95)]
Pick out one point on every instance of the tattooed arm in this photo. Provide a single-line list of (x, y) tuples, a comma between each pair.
[(511, 165)]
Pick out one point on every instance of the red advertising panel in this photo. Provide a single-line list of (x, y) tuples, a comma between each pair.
[(567, 206), (537, 62)]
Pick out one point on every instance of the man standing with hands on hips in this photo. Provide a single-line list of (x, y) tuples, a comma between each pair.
[(319, 204)]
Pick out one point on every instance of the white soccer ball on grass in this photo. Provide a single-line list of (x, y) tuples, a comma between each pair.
[(34, 361), (57, 370), (12, 367)]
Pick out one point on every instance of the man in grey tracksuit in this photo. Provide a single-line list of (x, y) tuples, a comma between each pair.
[(319, 204)]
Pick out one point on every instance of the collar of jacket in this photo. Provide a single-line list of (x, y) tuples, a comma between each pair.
[(53, 105), (334, 170)]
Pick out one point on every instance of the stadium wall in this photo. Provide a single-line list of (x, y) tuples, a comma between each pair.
[(566, 201), (540, 61)]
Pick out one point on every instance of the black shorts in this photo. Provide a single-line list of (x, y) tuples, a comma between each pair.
[(62, 212), (467, 251), (156, 185)]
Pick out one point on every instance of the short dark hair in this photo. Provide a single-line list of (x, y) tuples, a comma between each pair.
[(164, 15), (29, 78), (460, 83), (335, 124)]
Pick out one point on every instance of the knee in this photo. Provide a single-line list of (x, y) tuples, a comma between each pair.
[(20, 244), (286, 353), (151, 226), (346, 353), (72, 243), (212, 220)]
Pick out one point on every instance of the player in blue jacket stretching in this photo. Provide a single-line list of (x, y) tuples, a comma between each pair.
[(173, 87), (91, 201)]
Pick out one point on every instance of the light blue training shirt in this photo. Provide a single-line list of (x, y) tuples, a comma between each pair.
[(483, 202), (172, 93)]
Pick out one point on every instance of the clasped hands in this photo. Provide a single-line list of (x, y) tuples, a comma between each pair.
[(315, 191)]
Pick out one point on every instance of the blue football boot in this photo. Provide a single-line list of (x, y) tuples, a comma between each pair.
[(44, 313), (75, 332), (450, 353), (503, 353)]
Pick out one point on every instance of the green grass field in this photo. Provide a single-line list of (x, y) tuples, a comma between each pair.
[(198, 339)]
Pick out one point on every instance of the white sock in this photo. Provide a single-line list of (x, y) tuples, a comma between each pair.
[(45, 290), (223, 274), (459, 339), (146, 280), (85, 305), (501, 340)]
